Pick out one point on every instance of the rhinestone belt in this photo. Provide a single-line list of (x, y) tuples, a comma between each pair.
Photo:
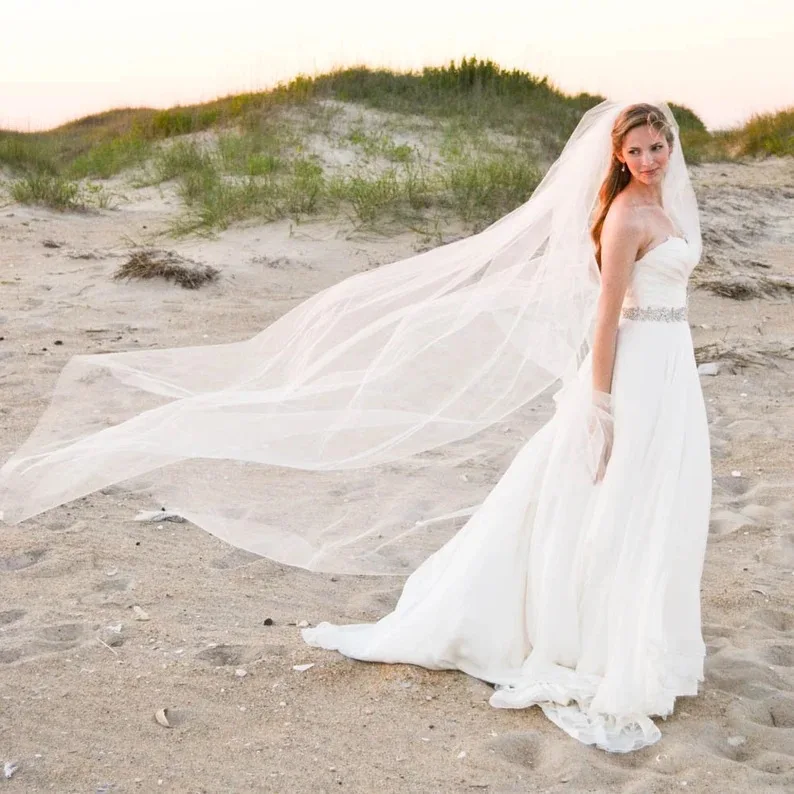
[(665, 313)]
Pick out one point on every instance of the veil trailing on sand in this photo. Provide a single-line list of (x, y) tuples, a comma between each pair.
[(352, 434)]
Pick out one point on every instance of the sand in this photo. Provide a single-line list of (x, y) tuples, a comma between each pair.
[(104, 621)]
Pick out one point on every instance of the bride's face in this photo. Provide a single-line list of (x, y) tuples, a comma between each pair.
[(646, 154)]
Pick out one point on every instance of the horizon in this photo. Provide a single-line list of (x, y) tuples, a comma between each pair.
[(81, 60)]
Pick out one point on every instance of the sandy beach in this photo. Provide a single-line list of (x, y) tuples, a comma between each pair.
[(104, 621)]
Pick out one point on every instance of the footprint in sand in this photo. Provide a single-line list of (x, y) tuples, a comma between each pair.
[(63, 634), (733, 486), (755, 742), (224, 655), (780, 552), (374, 602), (761, 514), (781, 711), (739, 749), (725, 522), (65, 526), (9, 655), (764, 743), (47, 640), (742, 673), (717, 630), (774, 764), (115, 584), (526, 748), (774, 711), (541, 755), (11, 616), (780, 655), (17, 562), (110, 590), (750, 428), (774, 619)]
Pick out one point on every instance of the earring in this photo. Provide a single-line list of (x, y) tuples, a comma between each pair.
[(623, 169)]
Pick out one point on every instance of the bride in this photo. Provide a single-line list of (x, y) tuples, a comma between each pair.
[(352, 435), (582, 596)]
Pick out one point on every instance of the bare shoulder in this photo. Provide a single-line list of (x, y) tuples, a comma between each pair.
[(623, 232), (623, 220)]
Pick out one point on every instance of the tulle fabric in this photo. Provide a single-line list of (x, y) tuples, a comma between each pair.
[(348, 435), (578, 596)]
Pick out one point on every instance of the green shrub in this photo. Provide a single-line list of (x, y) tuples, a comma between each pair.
[(59, 193), (768, 134), (110, 157), (482, 189), (303, 189), (178, 158), (181, 121), (27, 153), (47, 190)]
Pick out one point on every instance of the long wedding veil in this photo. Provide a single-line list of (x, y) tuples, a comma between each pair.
[(351, 435)]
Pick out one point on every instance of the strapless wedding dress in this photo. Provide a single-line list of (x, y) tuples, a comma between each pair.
[(582, 598)]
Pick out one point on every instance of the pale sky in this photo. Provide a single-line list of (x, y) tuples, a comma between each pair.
[(64, 59)]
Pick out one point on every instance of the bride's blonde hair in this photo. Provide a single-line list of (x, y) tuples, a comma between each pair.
[(616, 178)]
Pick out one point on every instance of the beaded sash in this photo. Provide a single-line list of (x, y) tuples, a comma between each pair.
[(665, 313)]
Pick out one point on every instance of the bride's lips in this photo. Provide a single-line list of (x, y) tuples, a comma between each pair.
[(649, 173)]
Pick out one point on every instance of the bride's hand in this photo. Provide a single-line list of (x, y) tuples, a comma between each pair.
[(600, 432)]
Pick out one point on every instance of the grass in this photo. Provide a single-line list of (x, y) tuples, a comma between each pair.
[(43, 188), (475, 190), (183, 157), (476, 92), (150, 263), (109, 157), (763, 135), (59, 193), (766, 134), (380, 145), (482, 189), (464, 142)]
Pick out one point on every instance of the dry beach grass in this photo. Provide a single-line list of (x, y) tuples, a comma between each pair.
[(168, 265)]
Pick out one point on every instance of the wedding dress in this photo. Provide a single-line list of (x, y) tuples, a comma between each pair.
[(581, 597)]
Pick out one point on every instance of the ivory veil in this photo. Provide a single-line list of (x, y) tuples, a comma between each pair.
[(334, 439)]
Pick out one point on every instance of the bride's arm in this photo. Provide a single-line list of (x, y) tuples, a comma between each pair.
[(621, 238)]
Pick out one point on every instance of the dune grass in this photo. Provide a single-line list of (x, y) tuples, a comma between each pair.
[(387, 182), (468, 142), (57, 192), (765, 134), (475, 191), (47, 189)]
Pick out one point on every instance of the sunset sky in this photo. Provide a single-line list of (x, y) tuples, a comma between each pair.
[(725, 59)]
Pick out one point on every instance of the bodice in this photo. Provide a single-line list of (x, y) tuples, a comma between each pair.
[(660, 276)]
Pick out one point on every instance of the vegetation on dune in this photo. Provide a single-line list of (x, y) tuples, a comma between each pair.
[(475, 92), (55, 191), (466, 142), (764, 134)]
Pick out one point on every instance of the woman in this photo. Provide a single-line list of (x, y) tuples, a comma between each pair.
[(348, 436), (563, 591)]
